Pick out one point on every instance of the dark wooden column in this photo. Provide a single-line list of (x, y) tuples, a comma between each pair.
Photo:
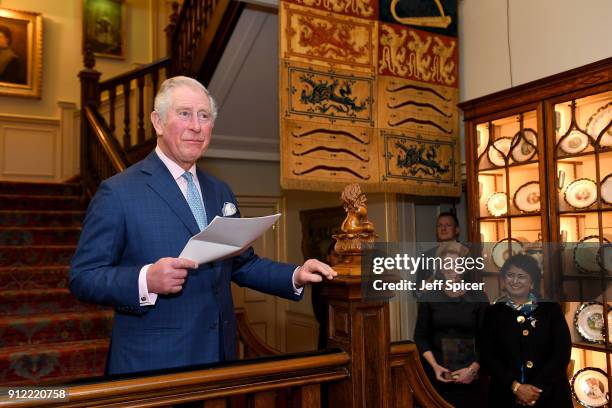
[(362, 329)]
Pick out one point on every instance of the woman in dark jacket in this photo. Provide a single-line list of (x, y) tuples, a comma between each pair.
[(526, 343), (447, 325)]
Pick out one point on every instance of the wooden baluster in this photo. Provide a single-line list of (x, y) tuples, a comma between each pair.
[(127, 141), (140, 132), (170, 28), (311, 396), (112, 94), (154, 81), (216, 403), (264, 399)]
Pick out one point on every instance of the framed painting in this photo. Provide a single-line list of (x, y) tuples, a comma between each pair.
[(104, 28), (20, 53)]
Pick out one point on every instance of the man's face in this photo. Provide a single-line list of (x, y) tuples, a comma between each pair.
[(446, 229), (186, 131)]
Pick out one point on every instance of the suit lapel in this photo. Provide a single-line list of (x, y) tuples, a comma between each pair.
[(165, 186)]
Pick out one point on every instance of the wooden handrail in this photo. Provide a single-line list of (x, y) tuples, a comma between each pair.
[(408, 374), (136, 73), (248, 377), (112, 148), (253, 345)]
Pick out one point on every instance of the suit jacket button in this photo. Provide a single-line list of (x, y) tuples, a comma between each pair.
[(529, 364), (525, 332)]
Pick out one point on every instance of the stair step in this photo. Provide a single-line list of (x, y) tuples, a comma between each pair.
[(34, 277), (55, 328), (39, 301), (42, 218), (62, 189), (52, 363), (29, 202), (36, 255), (39, 235)]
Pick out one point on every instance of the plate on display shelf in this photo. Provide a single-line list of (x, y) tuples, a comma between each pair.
[(504, 249), (500, 145), (527, 197), (606, 189), (588, 254), (598, 122), (581, 193), (575, 142), (589, 322), (497, 204), (525, 146), (590, 387)]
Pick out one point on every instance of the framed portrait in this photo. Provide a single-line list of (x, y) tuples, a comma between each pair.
[(104, 28), (20, 53)]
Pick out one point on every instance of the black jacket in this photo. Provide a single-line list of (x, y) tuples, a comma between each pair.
[(510, 341)]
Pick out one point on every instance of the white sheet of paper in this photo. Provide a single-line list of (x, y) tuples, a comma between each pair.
[(224, 236)]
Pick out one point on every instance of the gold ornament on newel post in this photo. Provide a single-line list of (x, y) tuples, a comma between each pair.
[(355, 231)]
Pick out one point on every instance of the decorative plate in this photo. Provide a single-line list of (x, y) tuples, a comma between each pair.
[(589, 322), (606, 189), (527, 197), (497, 204), (587, 254), (502, 250), (503, 145), (581, 193), (598, 121), (604, 256), (575, 142), (524, 147), (590, 387)]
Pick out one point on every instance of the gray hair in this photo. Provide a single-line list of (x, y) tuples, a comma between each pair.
[(162, 99)]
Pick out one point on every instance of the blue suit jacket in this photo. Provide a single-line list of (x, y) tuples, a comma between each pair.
[(137, 217)]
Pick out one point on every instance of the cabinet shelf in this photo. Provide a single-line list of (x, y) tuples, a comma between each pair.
[(505, 217), (592, 346)]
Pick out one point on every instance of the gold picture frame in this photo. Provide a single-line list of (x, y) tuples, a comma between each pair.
[(21, 45), (104, 28)]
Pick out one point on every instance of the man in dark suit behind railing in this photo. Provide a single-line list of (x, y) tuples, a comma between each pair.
[(171, 312)]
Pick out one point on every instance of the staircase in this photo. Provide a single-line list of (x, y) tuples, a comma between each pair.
[(46, 335)]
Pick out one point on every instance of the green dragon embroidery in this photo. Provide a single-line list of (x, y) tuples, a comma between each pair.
[(414, 162), (324, 97)]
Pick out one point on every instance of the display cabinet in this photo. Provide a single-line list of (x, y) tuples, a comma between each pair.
[(539, 181)]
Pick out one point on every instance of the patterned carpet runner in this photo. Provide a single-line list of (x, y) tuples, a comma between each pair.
[(46, 335)]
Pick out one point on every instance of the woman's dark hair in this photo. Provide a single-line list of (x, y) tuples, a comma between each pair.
[(525, 263), (7, 33)]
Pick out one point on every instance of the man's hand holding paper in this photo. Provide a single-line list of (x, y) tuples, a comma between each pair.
[(226, 236)]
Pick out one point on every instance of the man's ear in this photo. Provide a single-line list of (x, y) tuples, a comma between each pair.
[(156, 120)]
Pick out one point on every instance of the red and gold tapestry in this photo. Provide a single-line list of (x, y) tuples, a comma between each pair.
[(368, 94)]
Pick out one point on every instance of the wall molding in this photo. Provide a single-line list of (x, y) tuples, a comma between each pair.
[(243, 148)]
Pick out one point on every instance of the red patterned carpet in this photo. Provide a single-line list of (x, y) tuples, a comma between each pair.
[(46, 335)]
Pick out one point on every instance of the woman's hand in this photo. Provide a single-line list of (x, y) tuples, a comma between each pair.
[(527, 394), (439, 370), (467, 374)]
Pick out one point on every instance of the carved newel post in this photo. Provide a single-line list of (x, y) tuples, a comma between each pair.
[(358, 326)]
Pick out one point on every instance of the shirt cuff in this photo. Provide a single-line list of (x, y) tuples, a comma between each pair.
[(296, 291), (146, 298)]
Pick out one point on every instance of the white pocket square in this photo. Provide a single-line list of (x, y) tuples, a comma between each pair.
[(229, 209)]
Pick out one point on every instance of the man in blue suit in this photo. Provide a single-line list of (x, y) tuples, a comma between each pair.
[(169, 311)]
